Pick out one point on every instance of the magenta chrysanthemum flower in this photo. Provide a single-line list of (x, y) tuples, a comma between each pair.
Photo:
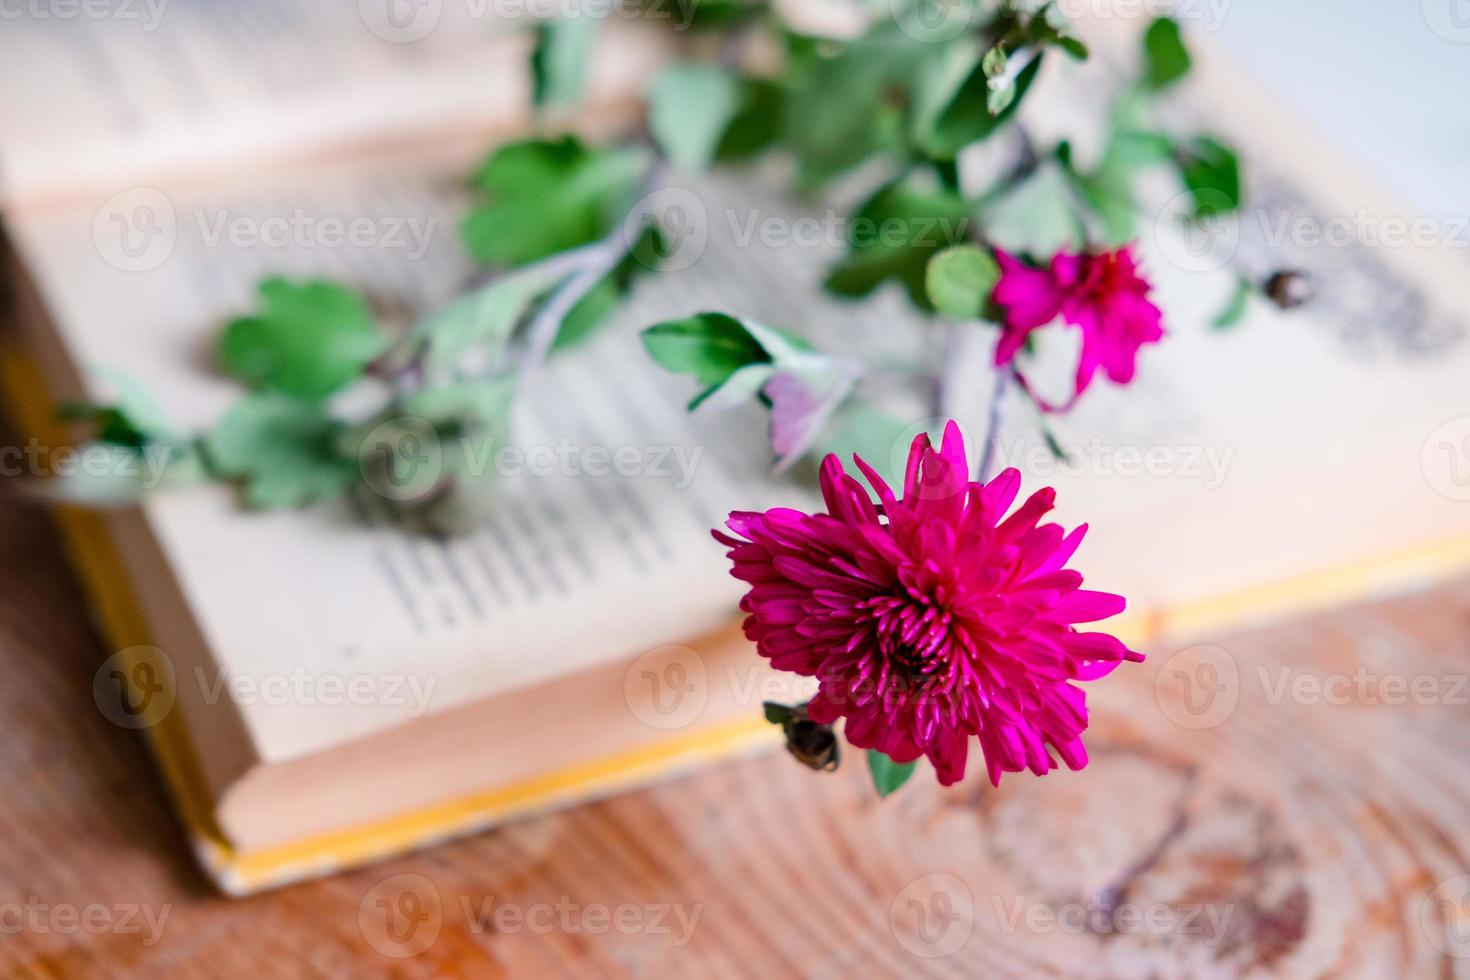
[(1099, 292), (930, 619)]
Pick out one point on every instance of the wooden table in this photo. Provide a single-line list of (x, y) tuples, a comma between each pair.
[(1233, 822)]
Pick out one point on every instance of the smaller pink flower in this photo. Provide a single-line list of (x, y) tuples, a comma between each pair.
[(1100, 292)]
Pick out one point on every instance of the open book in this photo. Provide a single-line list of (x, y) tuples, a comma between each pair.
[(323, 687)]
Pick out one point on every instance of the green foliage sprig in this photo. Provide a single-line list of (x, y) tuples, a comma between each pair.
[(555, 222)]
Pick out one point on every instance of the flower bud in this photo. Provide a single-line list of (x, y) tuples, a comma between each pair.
[(1289, 288), (813, 745)]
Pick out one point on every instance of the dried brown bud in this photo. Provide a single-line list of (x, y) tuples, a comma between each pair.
[(813, 745), (1289, 288)]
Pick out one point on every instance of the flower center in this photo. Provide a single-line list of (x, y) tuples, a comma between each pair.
[(1097, 277), (912, 633)]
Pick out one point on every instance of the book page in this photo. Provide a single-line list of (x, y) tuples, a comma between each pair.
[(1290, 444), (114, 93), (599, 544)]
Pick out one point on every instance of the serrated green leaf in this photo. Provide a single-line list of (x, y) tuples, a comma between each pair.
[(283, 450), (308, 340), (560, 57), (888, 775), (1166, 59), (540, 197), (959, 280), (690, 108)]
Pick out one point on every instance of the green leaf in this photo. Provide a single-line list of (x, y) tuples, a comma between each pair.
[(1109, 191), (1000, 95), (560, 58), (994, 62), (1037, 215), (1108, 188), (463, 408), (485, 319), (1166, 59), (540, 197), (129, 416), (756, 124), (1114, 205), (465, 416), (699, 15), (888, 775), (739, 387), (112, 424), (284, 450), (1053, 445), (1211, 171), (893, 236), (690, 108), (845, 103), (936, 84), (734, 359), (1075, 49), (968, 119), (959, 280), (1234, 310), (1137, 148), (710, 346), (1055, 29), (777, 714), (308, 340)]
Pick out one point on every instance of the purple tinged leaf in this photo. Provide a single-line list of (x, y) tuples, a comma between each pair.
[(802, 402)]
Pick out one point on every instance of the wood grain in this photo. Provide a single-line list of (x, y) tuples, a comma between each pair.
[(1264, 832)]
